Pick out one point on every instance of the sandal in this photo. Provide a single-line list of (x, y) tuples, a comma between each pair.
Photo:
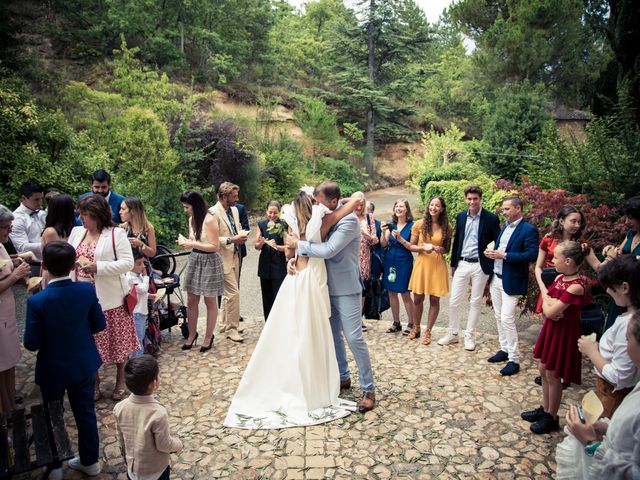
[(408, 330), (395, 327), (118, 394), (415, 333)]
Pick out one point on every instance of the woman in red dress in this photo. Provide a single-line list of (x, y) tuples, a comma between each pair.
[(557, 345), (568, 225)]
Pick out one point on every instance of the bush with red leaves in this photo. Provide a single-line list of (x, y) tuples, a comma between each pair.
[(604, 224)]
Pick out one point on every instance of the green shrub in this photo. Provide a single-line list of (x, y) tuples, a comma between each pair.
[(608, 156)]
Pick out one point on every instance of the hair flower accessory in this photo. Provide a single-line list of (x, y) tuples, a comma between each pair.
[(307, 189)]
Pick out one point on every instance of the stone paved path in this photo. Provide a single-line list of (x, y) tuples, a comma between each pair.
[(442, 412)]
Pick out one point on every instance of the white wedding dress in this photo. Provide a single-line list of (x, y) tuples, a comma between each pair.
[(292, 378)]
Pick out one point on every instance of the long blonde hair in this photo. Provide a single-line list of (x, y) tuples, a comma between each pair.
[(303, 204), (138, 223)]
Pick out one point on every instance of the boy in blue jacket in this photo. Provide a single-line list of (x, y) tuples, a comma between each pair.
[(61, 321)]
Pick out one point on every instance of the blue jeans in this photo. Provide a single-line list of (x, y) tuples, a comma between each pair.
[(140, 320), (346, 317)]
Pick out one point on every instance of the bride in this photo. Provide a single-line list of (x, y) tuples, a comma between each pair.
[(292, 378)]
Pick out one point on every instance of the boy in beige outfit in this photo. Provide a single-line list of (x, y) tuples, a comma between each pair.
[(143, 424)]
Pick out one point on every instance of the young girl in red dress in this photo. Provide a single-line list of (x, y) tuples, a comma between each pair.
[(557, 345)]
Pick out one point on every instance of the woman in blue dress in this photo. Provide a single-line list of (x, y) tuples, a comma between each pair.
[(398, 264)]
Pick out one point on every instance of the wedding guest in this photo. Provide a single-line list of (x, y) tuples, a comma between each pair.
[(139, 229), (568, 225), (204, 275), (49, 194), (138, 279), (60, 221), (515, 248), (29, 219), (244, 222), (101, 185), (104, 256), (368, 238), (630, 245), (431, 240), (377, 251), (230, 241), (557, 346), (398, 264), (11, 271), (272, 263), (593, 451), (476, 227), (616, 373), (142, 424), (60, 324)]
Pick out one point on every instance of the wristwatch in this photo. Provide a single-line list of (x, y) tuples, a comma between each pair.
[(228, 240)]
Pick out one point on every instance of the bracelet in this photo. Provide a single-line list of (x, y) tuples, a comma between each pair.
[(590, 450)]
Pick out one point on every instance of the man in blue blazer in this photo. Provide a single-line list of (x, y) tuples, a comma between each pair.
[(341, 252), (101, 185), (515, 248), (60, 324), (475, 229)]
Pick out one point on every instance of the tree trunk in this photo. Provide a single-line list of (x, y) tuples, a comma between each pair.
[(371, 144)]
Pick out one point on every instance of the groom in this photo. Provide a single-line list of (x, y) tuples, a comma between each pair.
[(341, 252)]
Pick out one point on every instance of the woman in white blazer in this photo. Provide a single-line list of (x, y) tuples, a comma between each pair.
[(103, 256)]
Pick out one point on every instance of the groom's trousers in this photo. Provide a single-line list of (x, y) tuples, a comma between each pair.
[(346, 317)]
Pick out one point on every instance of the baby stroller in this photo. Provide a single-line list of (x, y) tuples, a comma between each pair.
[(168, 313)]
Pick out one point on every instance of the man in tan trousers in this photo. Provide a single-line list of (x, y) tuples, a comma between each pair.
[(231, 239)]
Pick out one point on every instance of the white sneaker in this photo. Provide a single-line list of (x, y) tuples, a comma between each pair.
[(56, 474), (448, 339), (90, 470), (469, 343)]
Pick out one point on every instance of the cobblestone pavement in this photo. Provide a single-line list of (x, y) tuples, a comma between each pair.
[(442, 412)]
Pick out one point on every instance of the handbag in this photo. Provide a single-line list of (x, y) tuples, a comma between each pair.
[(130, 299), (591, 319), (549, 275), (376, 298)]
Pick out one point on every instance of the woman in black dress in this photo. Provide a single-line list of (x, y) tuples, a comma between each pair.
[(272, 264)]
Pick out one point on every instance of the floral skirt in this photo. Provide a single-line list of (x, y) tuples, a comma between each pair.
[(119, 339)]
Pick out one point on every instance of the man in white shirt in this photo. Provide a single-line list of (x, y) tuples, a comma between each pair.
[(515, 248), (475, 229), (29, 219)]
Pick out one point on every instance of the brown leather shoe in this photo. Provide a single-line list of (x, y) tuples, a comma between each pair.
[(367, 402), (426, 338), (415, 332), (345, 384)]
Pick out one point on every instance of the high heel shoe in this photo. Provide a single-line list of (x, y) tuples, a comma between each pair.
[(204, 349), (189, 346), (395, 327)]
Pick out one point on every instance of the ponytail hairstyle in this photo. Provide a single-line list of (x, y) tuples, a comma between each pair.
[(565, 211), (303, 204), (576, 251), (199, 207), (623, 268)]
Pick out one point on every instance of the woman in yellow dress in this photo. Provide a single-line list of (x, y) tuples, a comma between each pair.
[(431, 240)]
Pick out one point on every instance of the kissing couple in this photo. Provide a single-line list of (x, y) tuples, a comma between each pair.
[(299, 365)]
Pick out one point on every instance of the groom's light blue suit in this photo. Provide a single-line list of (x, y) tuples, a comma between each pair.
[(342, 252)]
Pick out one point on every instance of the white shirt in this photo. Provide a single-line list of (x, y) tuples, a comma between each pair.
[(621, 372), (26, 230), (504, 241), (142, 291)]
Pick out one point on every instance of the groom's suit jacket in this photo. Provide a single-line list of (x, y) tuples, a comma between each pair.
[(342, 253)]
